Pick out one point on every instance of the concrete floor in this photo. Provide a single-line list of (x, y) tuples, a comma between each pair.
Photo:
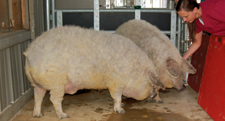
[(97, 105)]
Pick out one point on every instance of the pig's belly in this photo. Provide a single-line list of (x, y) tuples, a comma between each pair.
[(71, 88), (138, 94)]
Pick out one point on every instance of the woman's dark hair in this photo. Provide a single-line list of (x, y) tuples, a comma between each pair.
[(188, 5)]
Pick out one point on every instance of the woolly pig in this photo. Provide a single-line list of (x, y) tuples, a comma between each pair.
[(170, 66), (67, 59)]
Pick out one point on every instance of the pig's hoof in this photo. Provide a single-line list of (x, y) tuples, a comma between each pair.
[(119, 110), (122, 104), (151, 101), (122, 111), (38, 115), (62, 116), (160, 101)]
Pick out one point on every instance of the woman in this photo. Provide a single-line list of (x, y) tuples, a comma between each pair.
[(208, 16)]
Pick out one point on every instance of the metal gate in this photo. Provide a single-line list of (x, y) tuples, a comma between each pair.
[(95, 18)]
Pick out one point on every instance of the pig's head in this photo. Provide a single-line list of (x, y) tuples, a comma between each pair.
[(175, 73), (187, 67)]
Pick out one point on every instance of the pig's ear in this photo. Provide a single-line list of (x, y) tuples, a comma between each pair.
[(172, 67), (187, 67), (155, 80), (157, 83)]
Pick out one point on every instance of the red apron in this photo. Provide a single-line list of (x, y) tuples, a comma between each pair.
[(212, 89)]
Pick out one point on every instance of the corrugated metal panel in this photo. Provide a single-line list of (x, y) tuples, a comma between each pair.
[(1, 82), (39, 17), (6, 79), (26, 82), (13, 81), (16, 63)]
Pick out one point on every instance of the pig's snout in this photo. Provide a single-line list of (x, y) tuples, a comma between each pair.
[(183, 88)]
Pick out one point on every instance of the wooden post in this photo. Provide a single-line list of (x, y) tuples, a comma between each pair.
[(17, 14), (23, 11), (4, 15)]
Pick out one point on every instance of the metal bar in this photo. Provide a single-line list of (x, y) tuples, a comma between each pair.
[(53, 13), (107, 4), (166, 32), (173, 27), (80, 10), (117, 10), (47, 15), (137, 11), (178, 34), (59, 18), (138, 14), (96, 15), (158, 10), (186, 33), (128, 2)]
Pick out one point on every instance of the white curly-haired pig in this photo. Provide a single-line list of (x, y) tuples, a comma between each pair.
[(170, 66), (67, 59)]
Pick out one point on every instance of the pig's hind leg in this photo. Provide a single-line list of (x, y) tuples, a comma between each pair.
[(56, 98), (117, 97), (39, 94)]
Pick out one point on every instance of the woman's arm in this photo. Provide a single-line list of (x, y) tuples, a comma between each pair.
[(194, 46)]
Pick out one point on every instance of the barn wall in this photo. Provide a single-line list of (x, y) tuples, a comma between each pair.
[(15, 89)]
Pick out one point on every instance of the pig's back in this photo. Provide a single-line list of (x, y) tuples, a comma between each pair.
[(72, 47), (149, 38)]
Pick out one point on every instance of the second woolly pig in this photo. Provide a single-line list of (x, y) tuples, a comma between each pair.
[(170, 66)]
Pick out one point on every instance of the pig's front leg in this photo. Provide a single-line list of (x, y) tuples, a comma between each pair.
[(117, 97), (39, 94), (156, 98), (56, 98), (152, 93)]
